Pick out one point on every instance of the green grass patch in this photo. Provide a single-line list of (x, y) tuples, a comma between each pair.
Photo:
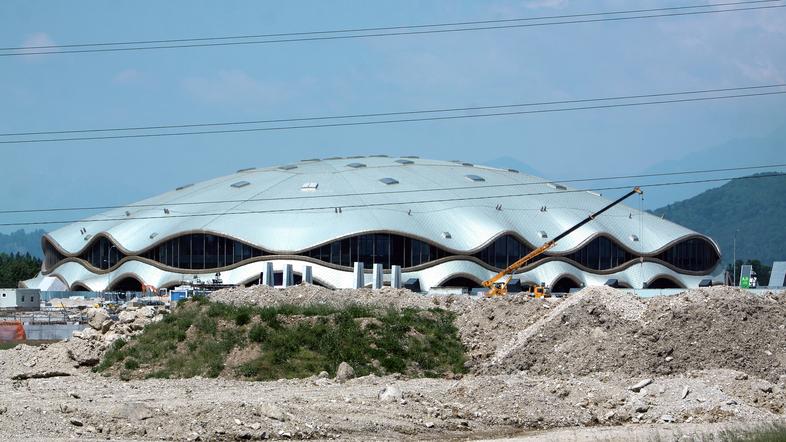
[(288, 342)]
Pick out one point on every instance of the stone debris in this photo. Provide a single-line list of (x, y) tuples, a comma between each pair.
[(344, 372), (604, 329), (600, 357), (641, 384), (667, 418), (307, 294), (390, 393), (84, 349)]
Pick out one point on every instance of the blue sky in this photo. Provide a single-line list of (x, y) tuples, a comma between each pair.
[(370, 75)]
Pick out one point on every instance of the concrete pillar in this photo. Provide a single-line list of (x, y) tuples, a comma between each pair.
[(307, 275), (358, 279), (287, 276), (376, 277), (268, 274), (395, 277)]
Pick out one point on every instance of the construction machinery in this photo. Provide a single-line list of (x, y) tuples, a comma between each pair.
[(499, 287)]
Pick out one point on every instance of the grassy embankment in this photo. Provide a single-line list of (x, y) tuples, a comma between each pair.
[(210, 339)]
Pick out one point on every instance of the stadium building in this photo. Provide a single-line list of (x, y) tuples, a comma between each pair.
[(446, 223)]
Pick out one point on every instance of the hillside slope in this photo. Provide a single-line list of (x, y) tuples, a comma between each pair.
[(755, 208), (22, 242)]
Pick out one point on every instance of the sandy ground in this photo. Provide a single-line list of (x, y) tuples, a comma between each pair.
[(704, 361)]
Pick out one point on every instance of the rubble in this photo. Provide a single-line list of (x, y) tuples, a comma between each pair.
[(603, 329), (344, 372), (390, 393), (307, 294), (596, 360), (84, 349)]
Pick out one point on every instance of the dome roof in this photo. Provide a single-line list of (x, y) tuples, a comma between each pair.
[(460, 207)]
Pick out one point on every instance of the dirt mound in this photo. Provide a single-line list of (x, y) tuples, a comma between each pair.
[(489, 323), (601, 329), (307, 294), (83, 349)]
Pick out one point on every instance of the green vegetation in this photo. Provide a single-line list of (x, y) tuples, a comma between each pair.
[(754, 209), (15, 268), (7, 345), (264, 343)]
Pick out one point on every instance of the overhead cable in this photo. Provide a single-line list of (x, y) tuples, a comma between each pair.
[(385, 204), (387, 31), (403, 120), (390, 192)]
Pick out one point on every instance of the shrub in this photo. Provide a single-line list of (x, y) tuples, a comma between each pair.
[(410, 341)]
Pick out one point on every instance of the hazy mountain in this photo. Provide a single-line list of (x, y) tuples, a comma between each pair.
[(22, 242), (753, 208), (768, 149), (512, 163)]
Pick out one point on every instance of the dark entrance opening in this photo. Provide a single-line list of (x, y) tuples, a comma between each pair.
[(460, 281), (564, 284), (126, 284), (663, 283)]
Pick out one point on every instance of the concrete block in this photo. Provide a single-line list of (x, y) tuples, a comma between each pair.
[(358, 280), (376, 276), (268, 274), (287, 279), (395, 277)]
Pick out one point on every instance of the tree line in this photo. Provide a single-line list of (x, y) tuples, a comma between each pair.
[(17, 267)]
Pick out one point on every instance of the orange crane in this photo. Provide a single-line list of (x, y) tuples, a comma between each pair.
[(500, 288)]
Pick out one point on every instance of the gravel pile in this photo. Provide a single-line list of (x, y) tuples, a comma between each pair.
[(601, 329), (307, 294), (84, 349)]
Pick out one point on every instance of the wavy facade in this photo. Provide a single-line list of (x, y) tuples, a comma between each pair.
[(443, 222)]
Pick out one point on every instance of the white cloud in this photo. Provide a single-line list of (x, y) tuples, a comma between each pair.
[(763, 71), (34, 41), (545, 4), (127, 76), (233, 87)]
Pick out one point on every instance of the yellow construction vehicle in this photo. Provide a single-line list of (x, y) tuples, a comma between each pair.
[(498, 287), (540, 291)]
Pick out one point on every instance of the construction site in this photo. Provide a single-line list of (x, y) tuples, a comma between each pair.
[(601, 363), (507, 220), (309, 362)]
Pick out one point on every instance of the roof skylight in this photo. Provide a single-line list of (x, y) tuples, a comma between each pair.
[(388, 181), (240, 184), (474, 178), (557, 186), (356, 165)]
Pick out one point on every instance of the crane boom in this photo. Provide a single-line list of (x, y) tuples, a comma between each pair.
[(498, 289)]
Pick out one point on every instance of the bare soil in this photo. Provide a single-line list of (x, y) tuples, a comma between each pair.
[(540, 370)]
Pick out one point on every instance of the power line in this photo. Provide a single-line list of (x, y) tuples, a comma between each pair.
[(387, 114), (394, 203), (390, 121), (389, 31), (394, 192)]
